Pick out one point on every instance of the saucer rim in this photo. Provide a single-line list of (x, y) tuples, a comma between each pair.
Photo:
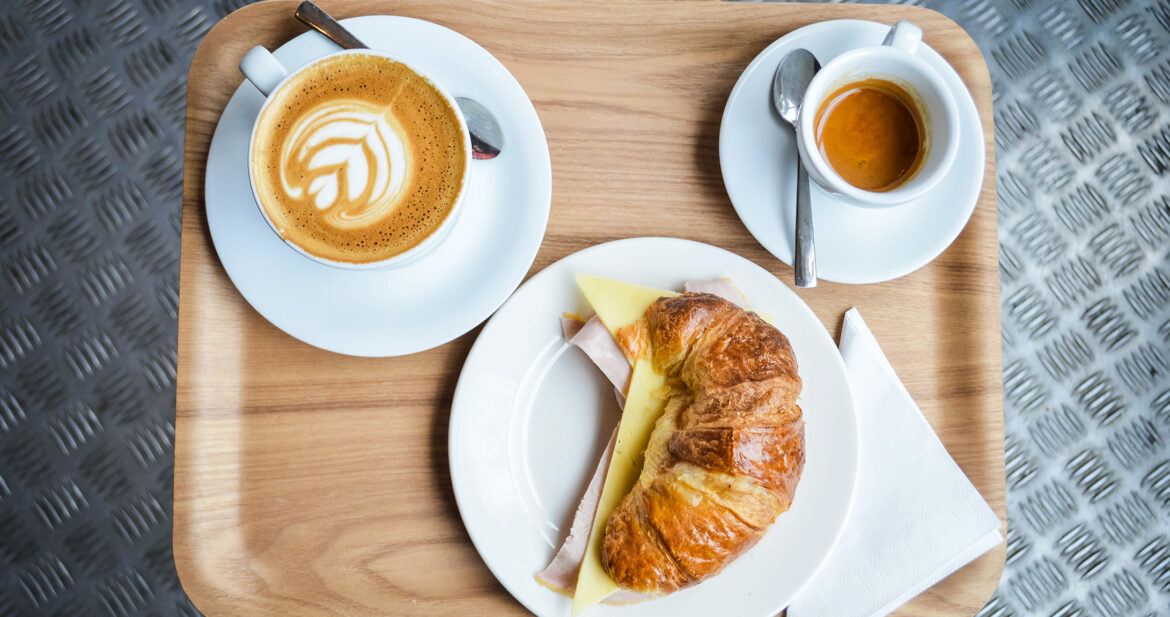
[(537, 213)]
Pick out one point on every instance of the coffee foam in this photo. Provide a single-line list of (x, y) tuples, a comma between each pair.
[(350, 158), (358, 159)]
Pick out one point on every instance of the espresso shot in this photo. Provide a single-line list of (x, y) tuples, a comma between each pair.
[(872, 134)]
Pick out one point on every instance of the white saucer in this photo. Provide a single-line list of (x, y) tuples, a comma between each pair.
[(757, 153), (428, 302), (531, 415)]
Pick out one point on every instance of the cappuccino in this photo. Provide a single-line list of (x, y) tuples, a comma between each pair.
[(358, 158)]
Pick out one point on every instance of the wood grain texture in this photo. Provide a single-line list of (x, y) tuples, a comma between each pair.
[(312, 483)]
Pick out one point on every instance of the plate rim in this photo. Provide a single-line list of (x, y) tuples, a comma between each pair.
[(478, 348)]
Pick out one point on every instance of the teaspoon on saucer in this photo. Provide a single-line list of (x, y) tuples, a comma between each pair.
[(487, 139), (788, 85)]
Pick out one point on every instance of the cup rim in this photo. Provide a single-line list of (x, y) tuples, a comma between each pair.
[(811, 155), (413, 252)]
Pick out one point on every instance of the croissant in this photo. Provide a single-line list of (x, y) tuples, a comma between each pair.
[(724, 458)]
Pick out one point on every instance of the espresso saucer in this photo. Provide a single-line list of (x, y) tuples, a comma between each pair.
[(757, 154), (423, 304)]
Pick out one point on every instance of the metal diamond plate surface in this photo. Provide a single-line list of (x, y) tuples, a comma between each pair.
[(91, 110)]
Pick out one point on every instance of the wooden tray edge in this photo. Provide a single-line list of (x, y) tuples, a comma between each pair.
[(202, 590)]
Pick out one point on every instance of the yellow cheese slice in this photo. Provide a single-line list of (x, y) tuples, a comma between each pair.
[(618, 303), (638, 418)]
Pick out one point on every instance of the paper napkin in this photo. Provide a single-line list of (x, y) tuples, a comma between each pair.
[(915, 517)]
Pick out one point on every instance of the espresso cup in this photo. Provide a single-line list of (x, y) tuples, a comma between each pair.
[(893, 61), (351, 182)]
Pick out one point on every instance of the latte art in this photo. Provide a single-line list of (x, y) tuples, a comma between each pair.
[(357, 158), (351, 158)]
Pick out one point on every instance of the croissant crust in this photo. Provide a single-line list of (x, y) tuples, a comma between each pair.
[(724, 459)]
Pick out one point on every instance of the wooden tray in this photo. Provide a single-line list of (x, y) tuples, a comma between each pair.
[(312, 483)]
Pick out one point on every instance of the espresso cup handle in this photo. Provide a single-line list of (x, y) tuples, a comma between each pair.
[(904, 36), (262, 69)]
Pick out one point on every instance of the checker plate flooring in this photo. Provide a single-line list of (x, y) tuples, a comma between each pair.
[(91, 134)]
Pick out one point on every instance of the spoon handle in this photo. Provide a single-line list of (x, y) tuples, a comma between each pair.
[(806, 259), (487, 139), (312, 16)]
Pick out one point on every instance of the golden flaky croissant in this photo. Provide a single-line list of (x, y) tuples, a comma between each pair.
[(723, 460)]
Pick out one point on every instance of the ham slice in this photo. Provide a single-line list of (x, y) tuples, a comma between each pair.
[(723, 288), (597, 343), (595, 340), (570, 326), (561, 573)]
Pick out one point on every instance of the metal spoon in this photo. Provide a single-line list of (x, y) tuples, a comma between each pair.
[(487, 139), (788, 86)]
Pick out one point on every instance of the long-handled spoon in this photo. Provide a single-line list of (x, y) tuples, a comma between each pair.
[(788, 86), (487, 139)]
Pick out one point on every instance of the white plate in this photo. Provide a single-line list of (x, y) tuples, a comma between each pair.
[(531, 416), (402, 310), (757, 153)]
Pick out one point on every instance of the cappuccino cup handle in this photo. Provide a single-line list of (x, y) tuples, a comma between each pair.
[(262, 69), (904, 36)]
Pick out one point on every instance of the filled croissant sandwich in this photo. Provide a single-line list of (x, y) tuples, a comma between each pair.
[(709, 450)]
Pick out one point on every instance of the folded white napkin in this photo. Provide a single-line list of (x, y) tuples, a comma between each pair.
[(915, 517)]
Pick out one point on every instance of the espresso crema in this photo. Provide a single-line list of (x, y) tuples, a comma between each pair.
[(358, 159)]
